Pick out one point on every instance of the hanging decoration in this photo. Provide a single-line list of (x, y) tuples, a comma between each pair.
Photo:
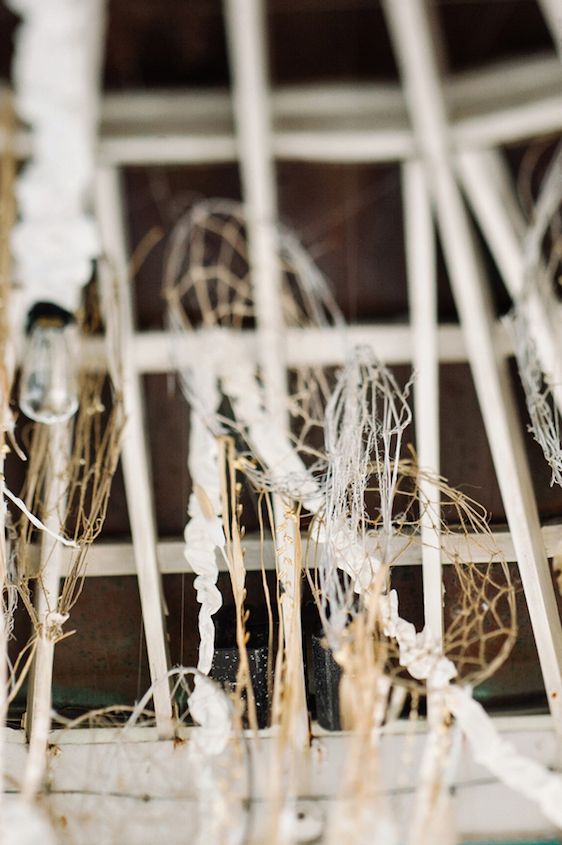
[(343, 462), (208, 289), (55, 76)]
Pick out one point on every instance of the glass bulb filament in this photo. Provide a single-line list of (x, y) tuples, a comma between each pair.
[(49, 384)]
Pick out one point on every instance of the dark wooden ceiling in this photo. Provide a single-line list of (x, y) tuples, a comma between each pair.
[(173, 43)]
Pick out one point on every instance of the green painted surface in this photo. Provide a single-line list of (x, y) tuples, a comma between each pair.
[(516, 842)]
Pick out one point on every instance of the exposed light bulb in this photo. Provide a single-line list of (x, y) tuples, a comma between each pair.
[(48, 382)]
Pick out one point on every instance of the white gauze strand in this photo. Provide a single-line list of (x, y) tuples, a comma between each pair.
[(529, 778), (352, 429), (419, 653), (212, 710), (287, 472), (204, 533), (235, 374), (55, 74), (346, 540), (424, 660), (366, 417), (221, 817)]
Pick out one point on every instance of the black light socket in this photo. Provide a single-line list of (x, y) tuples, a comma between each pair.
[(48, 313)]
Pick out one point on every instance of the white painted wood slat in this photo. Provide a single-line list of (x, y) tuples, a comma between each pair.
[(245, 22), (422, 294), (136, 468)]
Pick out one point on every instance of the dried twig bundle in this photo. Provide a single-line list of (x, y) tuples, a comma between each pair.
[(86, 483)]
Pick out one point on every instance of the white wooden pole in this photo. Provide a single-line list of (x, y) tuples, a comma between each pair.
[(246, 33), (247, 43), (422, 293), (136, 468), (117, 558), (38, 717), (305, 347), (502, 103)]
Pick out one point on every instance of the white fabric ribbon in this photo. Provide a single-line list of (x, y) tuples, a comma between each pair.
[(55, 79), (421, 656), (501, 758), (268, 439), (203, 536), (221, 818), (419, 653)]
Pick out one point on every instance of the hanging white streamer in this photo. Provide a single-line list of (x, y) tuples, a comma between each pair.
[(529, 778), (19, 503), (204, 537), (221, 817), (55, 79), (268, 439), (211, 709), (422, 659), (203, 533), (420, 653)]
